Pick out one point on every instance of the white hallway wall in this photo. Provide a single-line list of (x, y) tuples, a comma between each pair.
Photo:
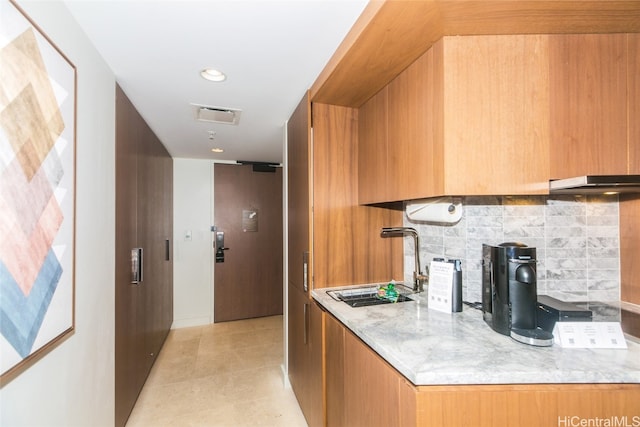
[(73, 385), (192, 212)]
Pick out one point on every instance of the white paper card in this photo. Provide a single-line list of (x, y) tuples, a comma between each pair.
[(589, 335), (440, 286)]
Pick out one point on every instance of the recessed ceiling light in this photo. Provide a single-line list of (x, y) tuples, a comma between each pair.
[(213, 75), (217, 150)]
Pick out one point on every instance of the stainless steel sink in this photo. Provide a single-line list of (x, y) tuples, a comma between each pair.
[(367, 295)]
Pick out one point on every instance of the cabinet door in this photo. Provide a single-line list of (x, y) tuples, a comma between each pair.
[(144, 312), (371, 387), (305, 355), (297, 324), (299, 202), (315, 413), (334, 365), (633, 74), (588, 104), (361, 388), (496, 125), (130, 362), (374, 173), (155, 216), (415, 155)]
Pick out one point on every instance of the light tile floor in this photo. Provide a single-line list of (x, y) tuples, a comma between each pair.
[(225, 374)]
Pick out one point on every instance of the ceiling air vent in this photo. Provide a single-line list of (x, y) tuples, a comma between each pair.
[(206, 113)]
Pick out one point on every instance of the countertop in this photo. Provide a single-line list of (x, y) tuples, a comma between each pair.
[(434, 348)]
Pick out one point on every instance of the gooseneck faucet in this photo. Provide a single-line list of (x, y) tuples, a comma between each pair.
[(419, 279)]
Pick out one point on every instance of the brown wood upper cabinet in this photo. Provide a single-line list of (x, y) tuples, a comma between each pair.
[(594, 104), (633, 97), (398, 136), (500, 115), (469, 117)]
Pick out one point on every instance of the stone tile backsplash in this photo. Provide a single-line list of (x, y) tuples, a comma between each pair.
[(576, 239)]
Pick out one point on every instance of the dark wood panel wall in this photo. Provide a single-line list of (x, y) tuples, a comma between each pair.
[(144, 218)]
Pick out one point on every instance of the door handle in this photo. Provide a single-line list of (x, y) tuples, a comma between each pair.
[(219, 245), (305, 314), (136, 266), (305, 271)]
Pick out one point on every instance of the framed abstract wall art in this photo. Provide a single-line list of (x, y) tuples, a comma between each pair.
[(37, 193)]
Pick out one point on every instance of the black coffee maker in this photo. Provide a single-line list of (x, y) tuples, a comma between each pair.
[(509, 292)]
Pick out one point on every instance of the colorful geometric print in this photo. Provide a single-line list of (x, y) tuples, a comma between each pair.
[(20, 315), (31, 195)]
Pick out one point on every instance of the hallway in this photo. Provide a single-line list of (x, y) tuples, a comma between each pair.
[(224, 374)]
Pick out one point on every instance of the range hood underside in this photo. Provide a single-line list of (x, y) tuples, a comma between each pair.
[(596, 184)]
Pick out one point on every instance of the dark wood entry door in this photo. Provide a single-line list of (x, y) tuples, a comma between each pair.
[(248, 210)]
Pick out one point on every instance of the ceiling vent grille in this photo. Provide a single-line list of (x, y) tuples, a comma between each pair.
[(229, 116)]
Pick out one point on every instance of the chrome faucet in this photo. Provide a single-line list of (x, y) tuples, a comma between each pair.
[(419, 279)]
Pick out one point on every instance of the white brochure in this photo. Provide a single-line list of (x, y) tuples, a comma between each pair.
[(440, 286), (589, 335)]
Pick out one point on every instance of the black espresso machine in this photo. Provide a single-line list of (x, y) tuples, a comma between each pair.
[(509, 293)]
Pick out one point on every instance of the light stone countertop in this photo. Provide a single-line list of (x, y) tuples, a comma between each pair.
[(434, 348)]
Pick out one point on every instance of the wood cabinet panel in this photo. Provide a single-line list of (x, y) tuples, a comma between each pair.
[(400, 135), (315, 371), (373, 154), (633, 74), (305, 352), (371, 387), (525, 405), (372, 393), (297, 322), (390, 35), (341, 228), (629, 248), (298, 190), (588, 104), (325, 219), (415, 139), (334, 372), (130, 372), (469, 117), (154, 214), (144, 209), (496, 126)]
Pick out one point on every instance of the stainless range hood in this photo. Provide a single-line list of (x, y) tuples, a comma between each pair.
[(596, 184)]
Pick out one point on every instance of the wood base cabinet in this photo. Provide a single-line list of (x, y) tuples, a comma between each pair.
[(528, 405), (364, 390), (305, 356)]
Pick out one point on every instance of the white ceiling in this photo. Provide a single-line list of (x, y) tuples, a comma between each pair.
[(271, 51)]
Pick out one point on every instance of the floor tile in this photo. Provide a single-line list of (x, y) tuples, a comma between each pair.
[(225, 374)]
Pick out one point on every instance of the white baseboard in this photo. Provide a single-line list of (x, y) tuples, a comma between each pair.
[(188, 323), (285, 378)]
